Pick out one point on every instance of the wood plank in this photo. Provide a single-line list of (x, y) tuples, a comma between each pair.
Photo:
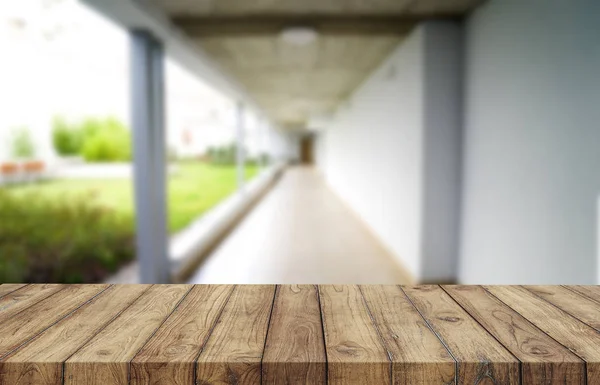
[(7, 288), (418, 356), (295, 348), (169, 357), (580, 338), (40, 361), (481, 359), (592, 292), (355, 351), (27, 324), (187, 335), (27, 296), (543, 360), (234, 350), (104, 360), (579, 306)]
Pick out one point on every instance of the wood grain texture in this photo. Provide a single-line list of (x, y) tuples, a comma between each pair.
[(543, 360), (28, 323), (592, 292), (104, 360), (234, 350), (418, 356), (579, 306), (7, 288), (40, 362), (295, 348), (355, 351), (580, 338), (299, 334), (19, 300), (169, 357), (481, 359)]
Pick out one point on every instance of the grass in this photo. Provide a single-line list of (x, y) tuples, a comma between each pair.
[(193, 189), (44, 239)]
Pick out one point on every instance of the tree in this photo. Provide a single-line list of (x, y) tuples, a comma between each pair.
[(22, 144)]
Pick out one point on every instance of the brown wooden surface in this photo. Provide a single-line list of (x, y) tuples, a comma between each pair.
[(233, 352), (564, 328), (299, 334), (42, 358), (418, 356), (22, 327), (169, 356), (543, 360), (584, 309), (354, 348), (592, 292), (295, 347), (9, 288), (481, 359), (15, 301), (105, 358)]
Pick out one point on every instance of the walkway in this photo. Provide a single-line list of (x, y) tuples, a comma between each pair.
[(301, 232)]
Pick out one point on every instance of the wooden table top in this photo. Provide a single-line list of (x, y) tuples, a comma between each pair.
[(225, 334)]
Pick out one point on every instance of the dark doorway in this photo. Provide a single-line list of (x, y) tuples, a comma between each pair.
[(307, 150)]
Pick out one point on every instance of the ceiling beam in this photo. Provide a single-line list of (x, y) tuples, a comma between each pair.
[(222, 26)]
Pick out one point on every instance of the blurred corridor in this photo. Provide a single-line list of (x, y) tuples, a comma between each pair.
[(448, 141), (301, 232)]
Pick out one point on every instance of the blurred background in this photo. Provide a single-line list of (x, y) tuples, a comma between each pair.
[(283, 141)]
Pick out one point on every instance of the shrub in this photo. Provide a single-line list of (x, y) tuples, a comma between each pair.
[(105, 141), (264, 158), (65, 240), (22, 144), (97, 140), (222, 155), (67, 139), (91, 126), (211, 153)]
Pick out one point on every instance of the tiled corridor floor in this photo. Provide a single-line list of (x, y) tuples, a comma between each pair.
[(301, 232)]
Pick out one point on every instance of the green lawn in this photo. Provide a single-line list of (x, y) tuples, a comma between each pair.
[(193, 189)]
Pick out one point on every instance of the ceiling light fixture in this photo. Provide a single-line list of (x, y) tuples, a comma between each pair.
[(299, 35)]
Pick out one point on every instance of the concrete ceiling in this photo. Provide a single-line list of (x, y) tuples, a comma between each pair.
[(291, 83), (336, 7)]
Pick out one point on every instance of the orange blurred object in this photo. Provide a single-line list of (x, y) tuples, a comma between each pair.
[(9, 168), (33, 166)]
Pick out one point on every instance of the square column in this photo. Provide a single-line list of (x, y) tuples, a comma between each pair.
[(149, 160), (240, 139)]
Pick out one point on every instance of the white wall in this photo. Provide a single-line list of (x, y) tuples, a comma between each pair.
[(283, 146), (532, 142), (377, 152)]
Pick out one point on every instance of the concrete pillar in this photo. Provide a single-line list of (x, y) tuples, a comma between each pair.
[(240, 140), (263, 137), (442, 149), (149, 160)]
